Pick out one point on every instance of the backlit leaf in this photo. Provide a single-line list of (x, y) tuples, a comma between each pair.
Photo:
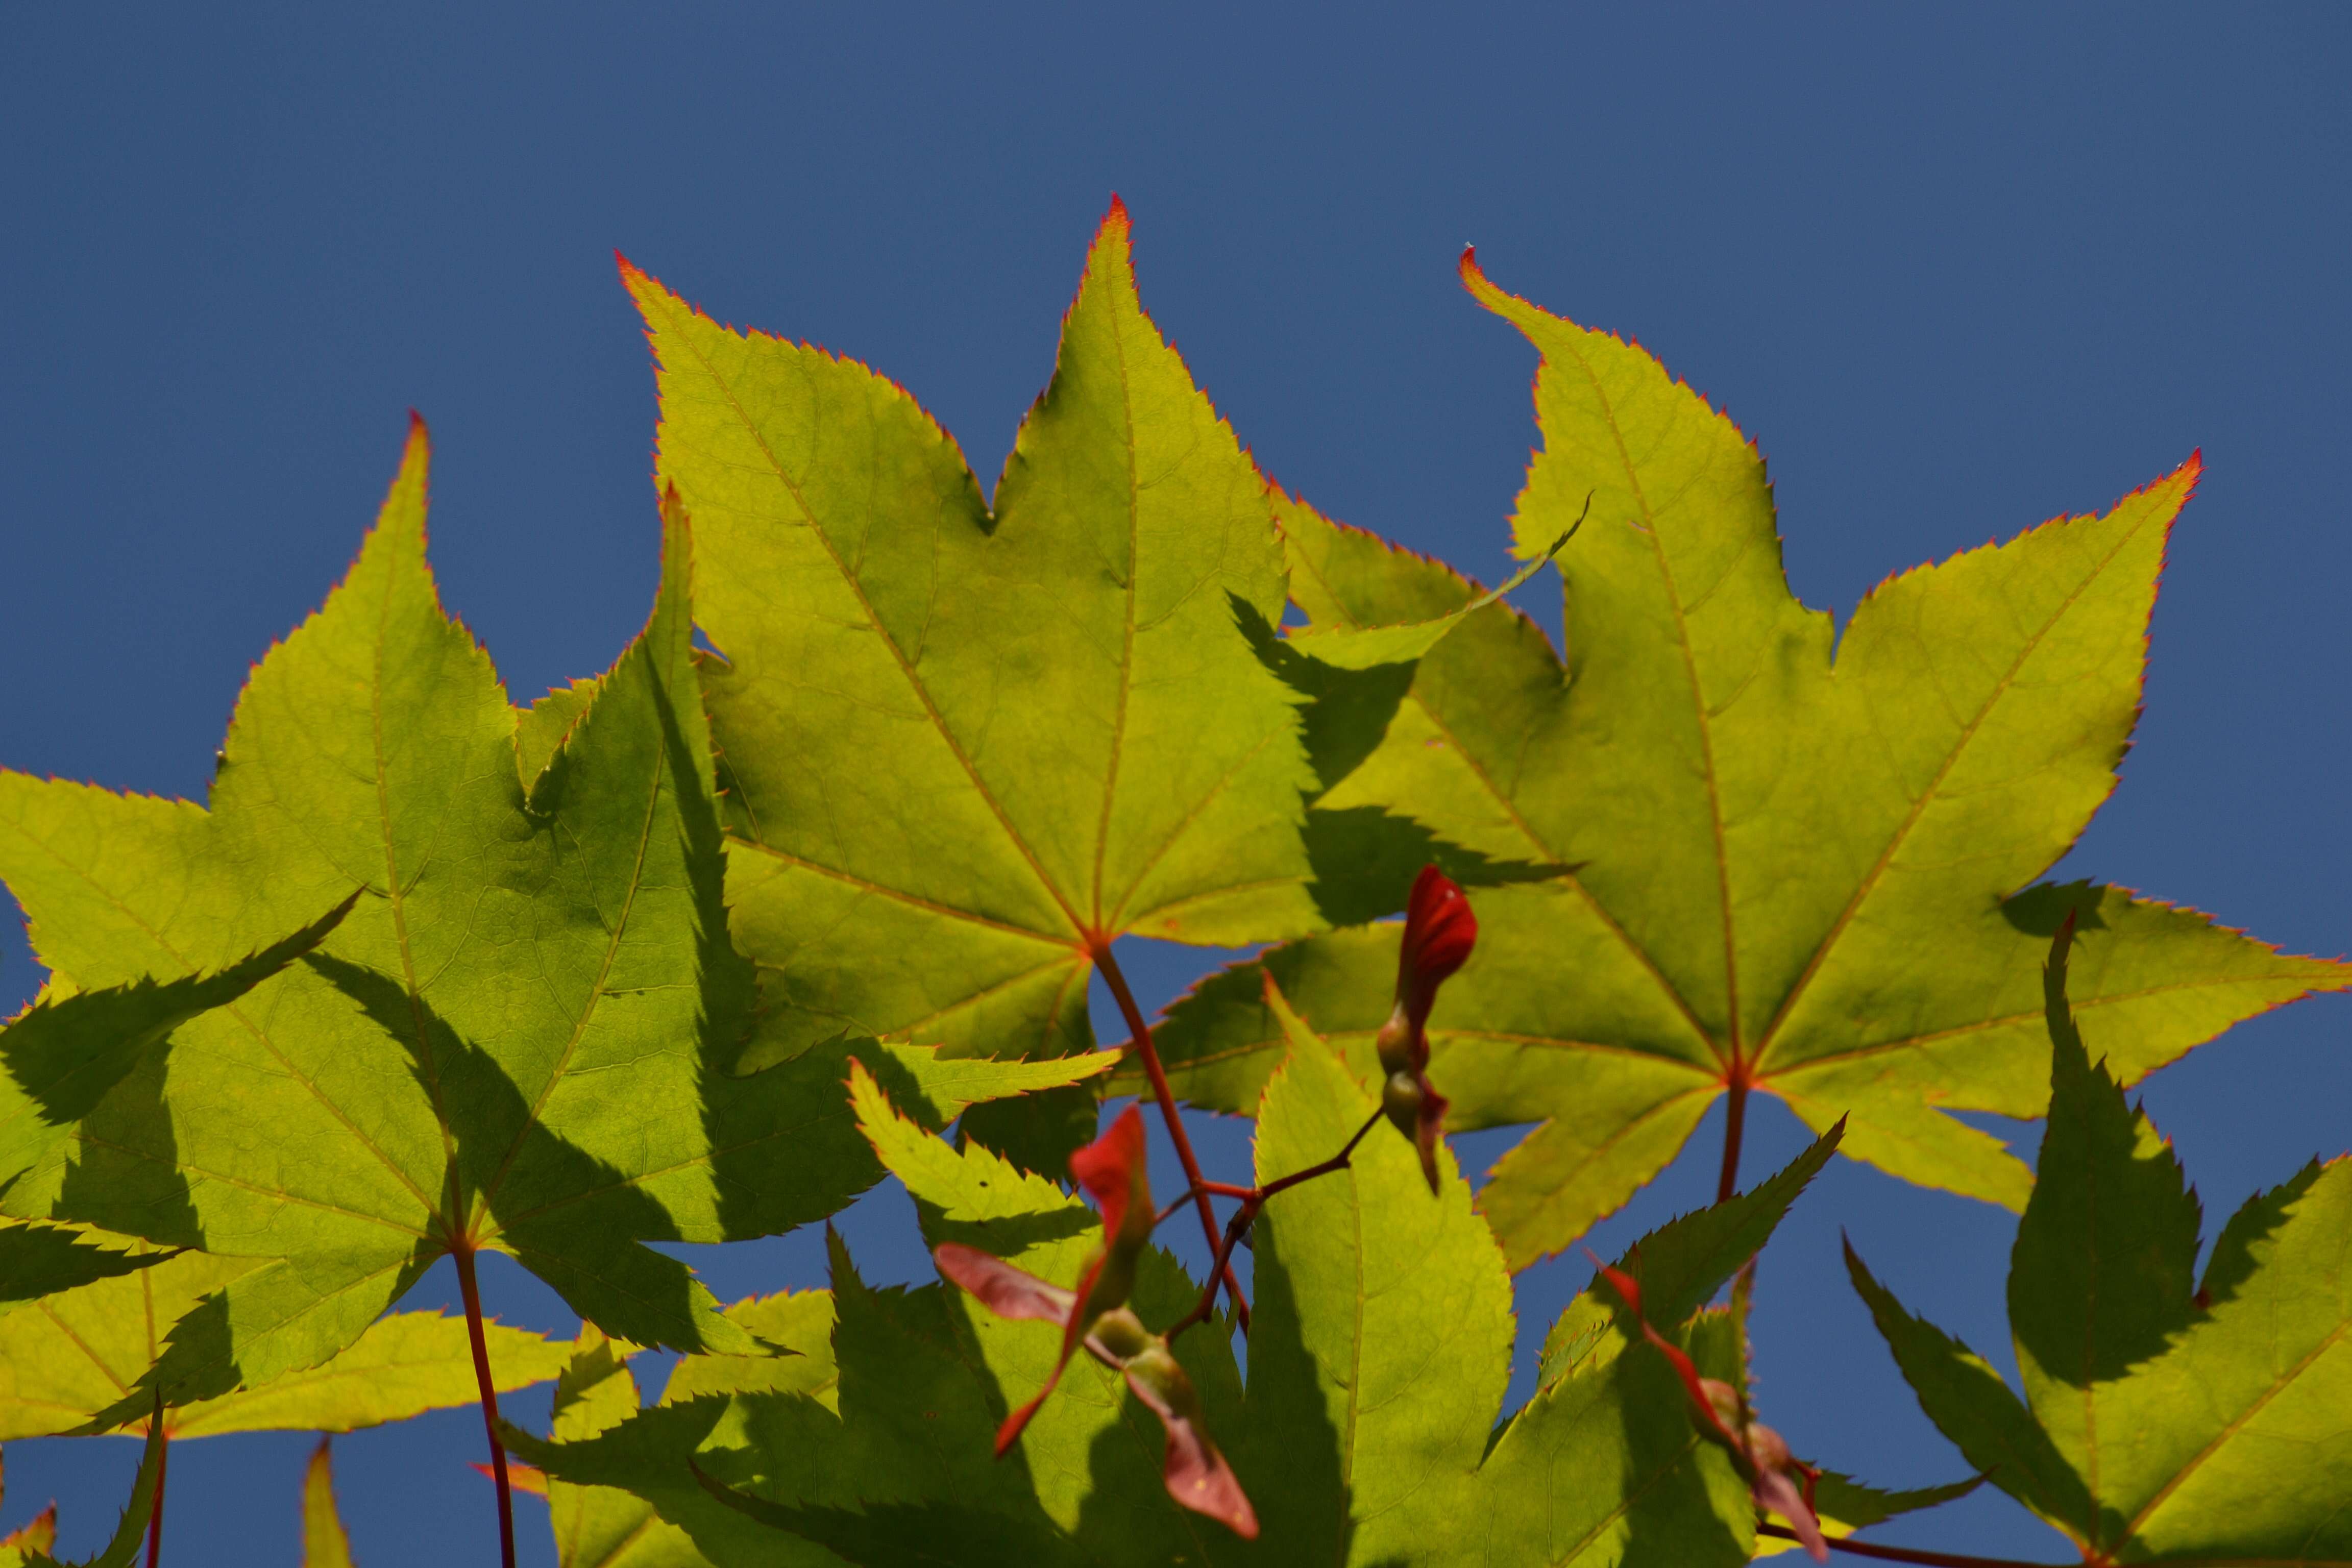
[(2154, 1428), (64, 1053), (524, 1039), (38, 1260), (983, 736), (129, 1532), (1380, 1338), (67, 1358), (597, 1527), (1783, 868)]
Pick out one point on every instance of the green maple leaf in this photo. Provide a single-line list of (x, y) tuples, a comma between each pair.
[(1784, 872), (1379, 1353), (72, 1355), (623, 1475), (984, 737), (606, 1527), (67, 1050), (601, 1527), (2162, 1420), (38, 1260), (523, 1038)]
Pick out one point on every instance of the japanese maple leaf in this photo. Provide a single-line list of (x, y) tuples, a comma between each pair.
[(523, 1038), (1786, 866), (1366, 1433), (968, 741), (2165, 1418), (73, 1354)]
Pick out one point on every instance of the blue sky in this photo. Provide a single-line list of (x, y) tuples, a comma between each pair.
[(1956, 270)]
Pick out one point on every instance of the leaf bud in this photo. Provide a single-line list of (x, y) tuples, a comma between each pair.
[(1121, 1334), (1400, 1099), (1395, 1042)]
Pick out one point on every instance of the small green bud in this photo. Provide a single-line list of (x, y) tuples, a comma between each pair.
[(1400, 1099), (1395, 1042), (1122, 1333)]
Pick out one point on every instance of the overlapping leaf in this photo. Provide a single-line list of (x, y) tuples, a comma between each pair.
[(598, 1527), (970, 741), (523, 1038), (67, 1050), (38, 1260), (65, 1359), (1783, 870), (1379, 1353), (2162, 1421)]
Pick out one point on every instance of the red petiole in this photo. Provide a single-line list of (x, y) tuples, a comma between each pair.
[(1253, 1201), (1140, 1035)]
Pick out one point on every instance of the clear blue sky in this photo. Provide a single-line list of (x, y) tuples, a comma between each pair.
[(1957, 271)]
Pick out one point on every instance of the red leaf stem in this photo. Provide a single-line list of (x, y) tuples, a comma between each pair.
[(1139, 1037), (464, 1254)]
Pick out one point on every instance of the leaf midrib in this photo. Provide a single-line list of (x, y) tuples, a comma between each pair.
[(2231, 1429), (236, 1010), (396, 894), (1706, 727), (1568, 879), (2000, 692), (857, 591), (1127, 648), (2011, 1020), (614, 931)]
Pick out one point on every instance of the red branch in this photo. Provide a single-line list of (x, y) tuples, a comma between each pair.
[(464, 1254), (1253, 1200), (1139, 1035)]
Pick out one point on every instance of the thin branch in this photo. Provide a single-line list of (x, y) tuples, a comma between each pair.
[(1214, 1189), (1139, 1033), (1252, 1202), (464, 1254), (1220, 1268), (1910, 1553), (1338, 1162)]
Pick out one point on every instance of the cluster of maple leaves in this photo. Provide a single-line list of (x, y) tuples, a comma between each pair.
[(698, 950)]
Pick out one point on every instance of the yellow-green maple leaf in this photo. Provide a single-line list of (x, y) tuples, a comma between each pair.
[(1793, 869), (968, 742)]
